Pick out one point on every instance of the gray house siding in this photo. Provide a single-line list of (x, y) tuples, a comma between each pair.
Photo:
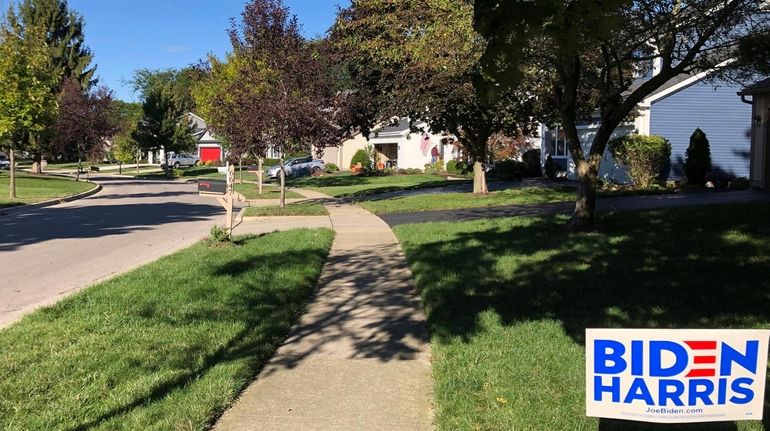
[(719, 112)]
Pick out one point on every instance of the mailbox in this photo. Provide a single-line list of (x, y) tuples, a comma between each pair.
[(212, 186)]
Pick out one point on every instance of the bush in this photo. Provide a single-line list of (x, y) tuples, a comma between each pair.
[(531, 159), (740, 183), (362, 157), (332, 167), (218, 235), (697, 159), (410, 171), (644, 156), (550, 168), (451, 167), (507, 170), (434, 168)]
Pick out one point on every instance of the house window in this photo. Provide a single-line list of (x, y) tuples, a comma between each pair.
[(557, 145)]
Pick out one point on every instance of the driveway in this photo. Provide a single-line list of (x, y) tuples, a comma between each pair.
[(48, 253)]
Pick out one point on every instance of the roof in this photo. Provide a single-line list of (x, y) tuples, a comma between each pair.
[(762, 86)]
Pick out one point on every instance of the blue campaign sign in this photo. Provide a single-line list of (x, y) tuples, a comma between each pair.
[(676, 375)]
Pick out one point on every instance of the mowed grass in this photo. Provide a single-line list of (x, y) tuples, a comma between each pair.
[(508, 301), (164, 347), (295, 209), (251, 191), (450, 201), (352, 185), (37, 188)]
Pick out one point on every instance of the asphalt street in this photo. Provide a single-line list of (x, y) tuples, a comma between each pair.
[(48, 253)]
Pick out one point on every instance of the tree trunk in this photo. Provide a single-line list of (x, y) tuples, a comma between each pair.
[(12, 176), (137, 163), (120, 168), (80, 168), (283, 183), (479, 179), (260, 173), (240, 170), (585, 205)]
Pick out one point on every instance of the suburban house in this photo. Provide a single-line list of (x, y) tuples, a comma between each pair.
[(760, 131), (674, 111), (207, 148), (397, 147)]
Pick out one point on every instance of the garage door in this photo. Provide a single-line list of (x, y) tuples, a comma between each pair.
[(211, 154)]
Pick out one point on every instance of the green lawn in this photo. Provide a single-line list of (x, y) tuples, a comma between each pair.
[(296, 209), (517, 196), (449, 201), (352, 185), (508, 301), (164, 347), (250, 191), (32, 188)]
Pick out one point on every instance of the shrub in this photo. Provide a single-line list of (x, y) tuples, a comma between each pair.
[(507, 170), (740, 183), (644, 156), (462, 167), (434, 168), (332, 167), (531, 159), (550, 168), (218, 235), (362, 157), (410, 171), (697, 159), (451, 166)]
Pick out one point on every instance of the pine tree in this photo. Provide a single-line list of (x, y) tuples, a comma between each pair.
[(70, 57), (697, 161)]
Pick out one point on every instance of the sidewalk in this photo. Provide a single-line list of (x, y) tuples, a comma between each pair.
[(359, 358)]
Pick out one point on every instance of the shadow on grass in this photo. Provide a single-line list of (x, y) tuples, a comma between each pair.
[(263, 311), (685, 268)]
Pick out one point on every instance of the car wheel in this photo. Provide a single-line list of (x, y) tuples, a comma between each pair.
[(176, 165), (197, 163), (315, 170)]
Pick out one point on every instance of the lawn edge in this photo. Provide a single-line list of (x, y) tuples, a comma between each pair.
[(19, 209)]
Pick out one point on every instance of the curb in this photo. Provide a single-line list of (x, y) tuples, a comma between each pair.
[(31, 207)]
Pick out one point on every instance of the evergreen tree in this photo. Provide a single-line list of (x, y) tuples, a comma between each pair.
[(69, 55), (697, 159), (27, 105)]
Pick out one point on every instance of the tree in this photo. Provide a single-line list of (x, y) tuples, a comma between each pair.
[(590, 53), (69, 57), (293, 108), (146, 81), (125, 148), (417, 59), (697, 161), (26, 103), (163, 124), (226, 94), (85, 122)]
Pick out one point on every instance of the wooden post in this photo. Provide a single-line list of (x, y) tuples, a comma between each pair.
[(260, 167), (230, 193)]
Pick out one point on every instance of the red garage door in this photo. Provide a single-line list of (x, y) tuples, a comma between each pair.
[(211, 154)]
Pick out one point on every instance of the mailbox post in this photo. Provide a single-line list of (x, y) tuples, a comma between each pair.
[(223, 191)]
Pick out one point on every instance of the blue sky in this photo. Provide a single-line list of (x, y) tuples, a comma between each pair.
[(126, 35)]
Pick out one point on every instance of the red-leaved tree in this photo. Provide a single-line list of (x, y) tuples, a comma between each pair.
[(85, 121)]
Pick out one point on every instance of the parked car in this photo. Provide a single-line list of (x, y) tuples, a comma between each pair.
[(297, 167), (182, 159), (4, 162)]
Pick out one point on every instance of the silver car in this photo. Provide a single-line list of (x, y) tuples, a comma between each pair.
[(297, 167), (182, 159), (4, 162)]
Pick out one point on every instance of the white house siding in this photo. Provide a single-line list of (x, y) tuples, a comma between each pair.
[(343, 154), (409, 153), (609, 169)]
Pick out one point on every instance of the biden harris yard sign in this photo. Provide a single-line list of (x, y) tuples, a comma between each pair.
[(676, 376)]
